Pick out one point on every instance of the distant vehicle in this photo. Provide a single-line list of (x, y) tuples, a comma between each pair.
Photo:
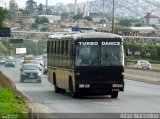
[(10, 63), (143, 64), (28, 59), (2, 60), (45, 70), (38, 63), (86, 63), (30, 72)]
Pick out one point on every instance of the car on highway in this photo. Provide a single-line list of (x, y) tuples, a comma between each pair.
[(2, 60), (45, 70), (143, 64), (30, 73), (40, 65), (10, 63)]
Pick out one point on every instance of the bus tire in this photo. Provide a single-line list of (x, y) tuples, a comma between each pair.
[(57, 90), (114, 94), (72, 93)]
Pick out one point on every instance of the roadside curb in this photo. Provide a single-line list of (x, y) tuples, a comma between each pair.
[(35, 109), (140, 79), (152, 69)]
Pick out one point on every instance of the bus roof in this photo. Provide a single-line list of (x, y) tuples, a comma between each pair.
[(88, 35)]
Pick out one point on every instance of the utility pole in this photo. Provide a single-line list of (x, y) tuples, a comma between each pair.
[(46, 7), (75, 7), (103, 16), (113, 18)]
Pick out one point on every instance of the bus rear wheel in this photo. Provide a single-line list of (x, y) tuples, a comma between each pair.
[(114, 94), (72, 93)]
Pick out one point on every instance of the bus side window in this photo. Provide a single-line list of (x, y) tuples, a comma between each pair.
[(66, 47), (62, 47)]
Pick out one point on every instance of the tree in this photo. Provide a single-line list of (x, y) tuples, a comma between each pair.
[(44, 29), (24, 11), (88, 18), (77, 17), (41, 20), (102, 21), (138, 25), (40, 8), (64, 15), (34, 26), (31, 5), (3, 14), (125, 22)]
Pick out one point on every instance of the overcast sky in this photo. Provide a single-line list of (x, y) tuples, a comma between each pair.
[(21, 3)]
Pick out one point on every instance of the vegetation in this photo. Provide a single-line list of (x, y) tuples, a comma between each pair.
[(24, 11), (3, 14), (127, 22), (150, 52), (34, 26), (29, 45), (41, 20), (88, 18), (64, 15), (3, 49), (11, 105), (78, 16)]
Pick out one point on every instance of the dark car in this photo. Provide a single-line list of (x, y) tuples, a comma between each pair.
[(30, 72), (10, 63), (45, 70)]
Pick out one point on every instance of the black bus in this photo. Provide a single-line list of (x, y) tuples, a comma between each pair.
[(86, 63)]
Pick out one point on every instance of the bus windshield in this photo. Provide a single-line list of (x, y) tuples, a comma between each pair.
[(99, 55)]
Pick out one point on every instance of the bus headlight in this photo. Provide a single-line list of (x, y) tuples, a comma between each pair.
[(117, 85), (84, 85), (87, 85), (81, 85), (77, 74)]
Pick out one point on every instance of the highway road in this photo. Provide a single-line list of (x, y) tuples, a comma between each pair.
[(137, 97)]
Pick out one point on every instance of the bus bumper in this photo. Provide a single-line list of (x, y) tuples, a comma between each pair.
[(99, 88)]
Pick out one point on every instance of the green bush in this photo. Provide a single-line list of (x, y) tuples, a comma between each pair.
[(10, 105)]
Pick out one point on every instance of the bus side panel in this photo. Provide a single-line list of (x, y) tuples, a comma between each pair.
[(60, 77), (50, 75)]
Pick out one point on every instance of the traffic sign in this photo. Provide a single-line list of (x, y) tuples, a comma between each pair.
[(16, 40), (5, 32)]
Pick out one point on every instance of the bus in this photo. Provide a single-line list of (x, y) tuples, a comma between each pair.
[(86, 63)]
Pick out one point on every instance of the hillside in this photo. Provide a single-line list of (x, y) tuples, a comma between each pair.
[(127, 8)]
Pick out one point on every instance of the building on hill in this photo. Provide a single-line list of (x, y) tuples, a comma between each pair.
[(150, 19)]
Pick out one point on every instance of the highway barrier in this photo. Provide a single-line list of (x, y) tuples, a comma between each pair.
[(6, 82), (35, 110)]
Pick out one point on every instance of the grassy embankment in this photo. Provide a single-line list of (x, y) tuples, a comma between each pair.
[(11, 105)]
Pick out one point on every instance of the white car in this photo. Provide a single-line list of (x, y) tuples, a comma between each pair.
[(143, 64), (38, 63)]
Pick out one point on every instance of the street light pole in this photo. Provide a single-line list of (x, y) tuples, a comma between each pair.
[(113, 18), (103, 16), (36, 48)]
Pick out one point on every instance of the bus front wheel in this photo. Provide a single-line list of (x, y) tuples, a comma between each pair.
[(73, 94), (114, 94), (57, 90)]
